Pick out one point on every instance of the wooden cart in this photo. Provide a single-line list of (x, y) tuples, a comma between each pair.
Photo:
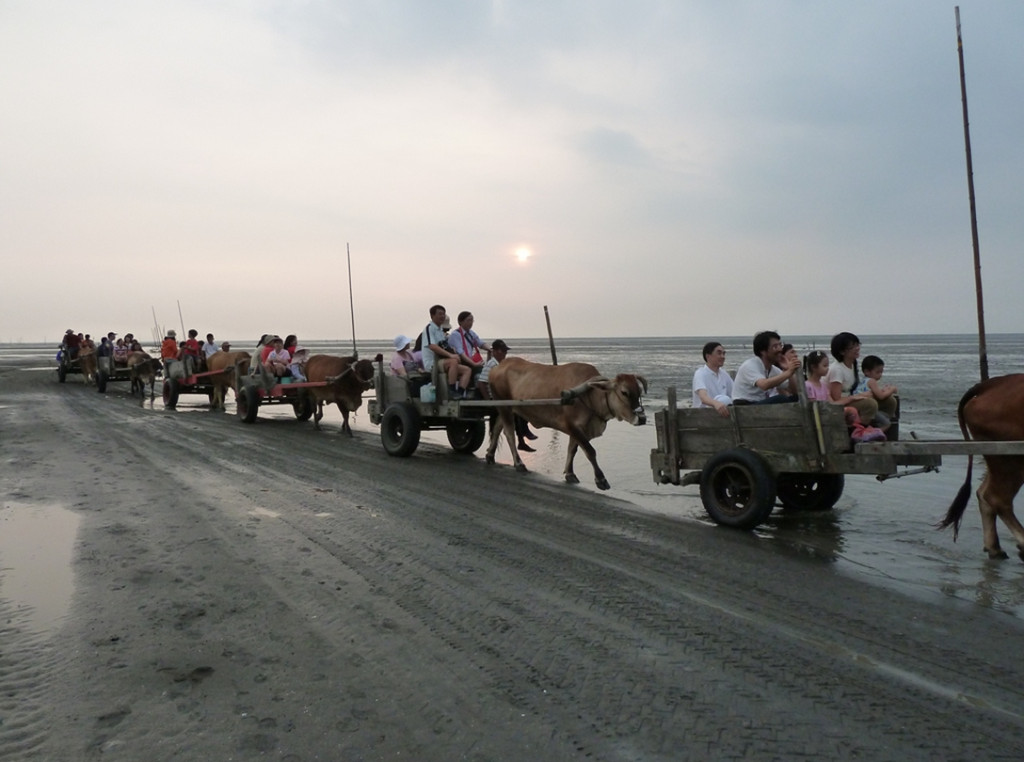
[(403, 412), (797, 452)]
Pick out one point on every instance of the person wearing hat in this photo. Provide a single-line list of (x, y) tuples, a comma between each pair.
[(404, 361), (499, 350), (225, 346), (72, 342), (297, 367), (169, 348)]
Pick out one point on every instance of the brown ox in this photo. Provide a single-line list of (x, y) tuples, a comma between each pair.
[(596, 400), (225, 363), (143, 369), (345, 381), (87, 364), (992, 411)]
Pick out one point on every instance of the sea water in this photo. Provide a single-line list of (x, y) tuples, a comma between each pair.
[(879, 531)]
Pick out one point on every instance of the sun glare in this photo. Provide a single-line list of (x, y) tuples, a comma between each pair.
[(522, 254)]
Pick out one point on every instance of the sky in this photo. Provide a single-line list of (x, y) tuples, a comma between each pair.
[(651, 168)]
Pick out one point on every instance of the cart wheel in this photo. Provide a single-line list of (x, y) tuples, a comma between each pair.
[(303, 406), (101, 382), (466, 436), (809, 492), (737, 488), (247, 405), (400, 430), (62, 373), (171, 392)]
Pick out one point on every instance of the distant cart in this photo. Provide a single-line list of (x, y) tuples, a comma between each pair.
[(197, 383), (252, 395), (108, 371), (66, 365), (797, 453)]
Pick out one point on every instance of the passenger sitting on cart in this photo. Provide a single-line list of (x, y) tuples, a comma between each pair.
[(758, 375), (467, 344), (120, 353), (297, 368), (72, 343), (278, 359), (169, 348), (192, 355), (405, 362), (106, 347)]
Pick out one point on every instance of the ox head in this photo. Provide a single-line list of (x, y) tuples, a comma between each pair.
[(624, 395), (363, 370)]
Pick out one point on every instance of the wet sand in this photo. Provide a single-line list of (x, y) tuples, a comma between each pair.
[(272, 592)]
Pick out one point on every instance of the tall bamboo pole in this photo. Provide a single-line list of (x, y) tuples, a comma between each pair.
[(351, 303), (551, 338), (982, 349)]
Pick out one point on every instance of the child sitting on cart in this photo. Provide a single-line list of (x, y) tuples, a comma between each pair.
[(297, 368)]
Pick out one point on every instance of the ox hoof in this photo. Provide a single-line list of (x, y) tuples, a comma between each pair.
[(603, 484), (521, 468), (997, 554), (572, 478), (489, 459)]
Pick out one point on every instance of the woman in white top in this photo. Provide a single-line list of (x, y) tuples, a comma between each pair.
[(843, 376)]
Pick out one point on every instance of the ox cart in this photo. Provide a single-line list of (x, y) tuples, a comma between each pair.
[(107, 371), (405, 407), (197, 383), (66, 364), (252, 394), (797, 453)]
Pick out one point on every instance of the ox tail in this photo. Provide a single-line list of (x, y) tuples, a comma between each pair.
[(955, 513)]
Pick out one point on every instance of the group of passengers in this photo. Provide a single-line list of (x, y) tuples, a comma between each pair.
[(282, 358), (459, 357), (110, 346), (771, 376), (192, 352)]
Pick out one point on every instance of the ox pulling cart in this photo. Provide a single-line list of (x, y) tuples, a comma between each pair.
[(797, 453), (405, 407)]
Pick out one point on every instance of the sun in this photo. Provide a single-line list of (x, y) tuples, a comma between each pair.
[(523, 254)]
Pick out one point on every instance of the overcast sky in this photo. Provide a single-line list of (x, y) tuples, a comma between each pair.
[(673, 168)]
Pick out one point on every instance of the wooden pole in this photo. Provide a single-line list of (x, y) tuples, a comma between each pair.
[(551, 338), (351, 303), (183, 334), (982, 349)]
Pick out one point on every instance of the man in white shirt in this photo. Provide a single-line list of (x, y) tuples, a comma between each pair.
[(759, 374), (210, 346), (712, 386)]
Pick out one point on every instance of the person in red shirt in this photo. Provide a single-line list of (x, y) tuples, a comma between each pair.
[(169, 348), (192, 353)]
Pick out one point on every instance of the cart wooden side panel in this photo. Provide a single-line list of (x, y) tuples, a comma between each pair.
[(791, 437)]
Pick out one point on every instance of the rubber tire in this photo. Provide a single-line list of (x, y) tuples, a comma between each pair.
[(101, 382), (809, 492), (737, 488), (400, 430), (62, 373), (466, 436), (170, 393), (303, 406), (247, 405)]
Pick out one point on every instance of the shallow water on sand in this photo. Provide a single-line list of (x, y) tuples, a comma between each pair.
[(36, 551), (882, 532)]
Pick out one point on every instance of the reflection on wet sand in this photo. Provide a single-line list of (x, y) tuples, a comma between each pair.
[(36, 546)]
